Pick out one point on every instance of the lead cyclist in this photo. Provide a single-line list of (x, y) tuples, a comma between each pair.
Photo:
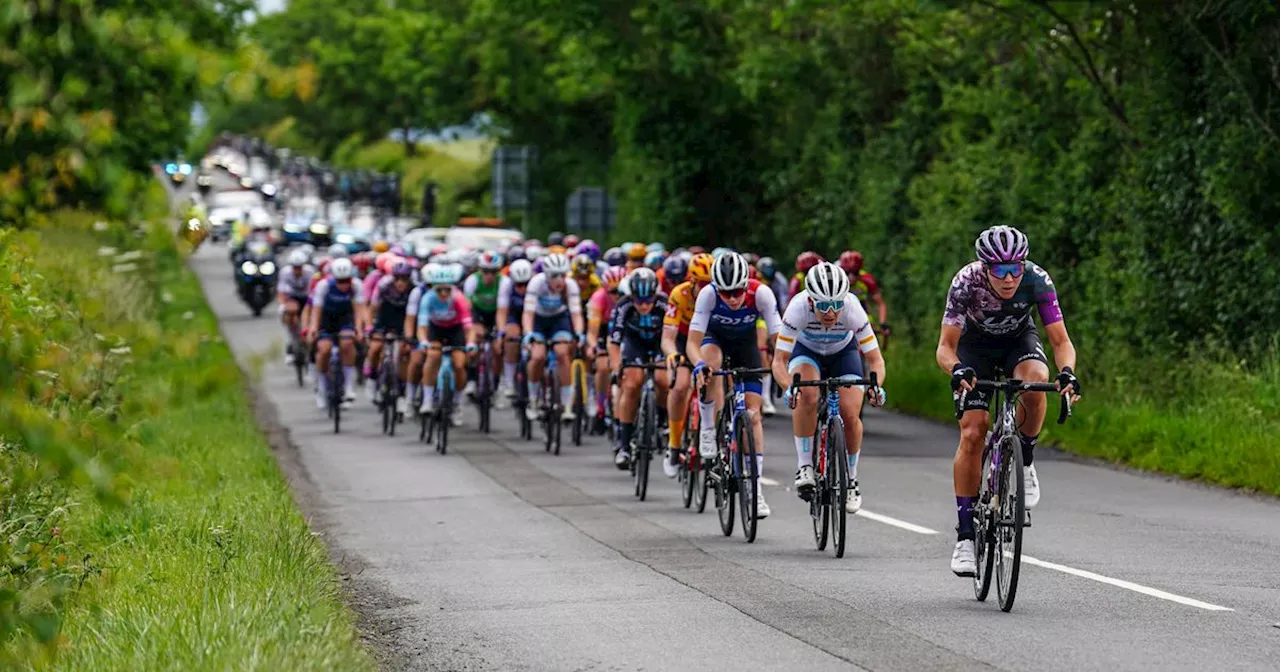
[(987, 328)]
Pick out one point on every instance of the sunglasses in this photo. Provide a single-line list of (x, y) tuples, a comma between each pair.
[(828, 306), (732, 293), (1002, 271), (444, 289), (555, 276), (644, 302)]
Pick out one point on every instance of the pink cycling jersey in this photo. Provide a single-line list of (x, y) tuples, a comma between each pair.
[(451, 312)]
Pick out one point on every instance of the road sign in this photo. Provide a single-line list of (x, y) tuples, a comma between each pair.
[(511, 171), (590, 209)]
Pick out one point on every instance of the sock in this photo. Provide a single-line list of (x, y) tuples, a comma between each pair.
[(509, 374), (412, 391), (707, 413), (368, 370), (350, 373), (853, 466), (535, 393), (428, 396), (1028, 448), (662, 415), (323, 381), (804, 451), (566, 395), (677, 431), (766, 388), (624, 436), (457, 399), (602, 402), (759, 465), (964, 510)]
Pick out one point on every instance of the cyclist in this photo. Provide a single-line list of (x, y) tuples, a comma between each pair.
[(444, 319), (769, 275), (804, 261), (337, 315), (484, 289), (417, 355), (388, 305), (635, 334), (292, 295), (988, 329), (636, 252), (584, 273), (864, 286), (675, 270), (675, 337), (825, 334), (510, 315), (724, 326), (655, 259), (599, 312), (614, 256), (552, 314)]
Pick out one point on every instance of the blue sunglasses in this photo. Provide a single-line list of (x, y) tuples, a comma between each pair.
[(828, 306), (1002, 271)]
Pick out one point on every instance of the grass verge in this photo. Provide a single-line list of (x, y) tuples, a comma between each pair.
[(1214, 420), (156, 531)]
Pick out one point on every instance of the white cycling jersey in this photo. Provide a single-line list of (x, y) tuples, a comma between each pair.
[(294, 280), (415, 297), (801, 325), (545, 303)]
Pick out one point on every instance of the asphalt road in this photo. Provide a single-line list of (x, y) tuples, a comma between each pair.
[(500, 556)]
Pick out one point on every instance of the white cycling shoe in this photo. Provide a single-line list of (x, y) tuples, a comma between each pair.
[(1031, 486), (402, 405), (769, 409), (707, 443), (671, 465), (962, 559), (567, 414), (322, 400), (762, 507), (805, 479), (853, 501), (531, 413)]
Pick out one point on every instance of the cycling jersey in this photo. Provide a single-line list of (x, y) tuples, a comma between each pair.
[(974, 306), (484, 296), (863, 285), (587, 288), (454, 311), (371, 282), (629, 323), (544, 302), (711, 315), (337, 308), (680, 307), (513, 300), (295, 281), (801, 326), (391, 305), (600, 307)]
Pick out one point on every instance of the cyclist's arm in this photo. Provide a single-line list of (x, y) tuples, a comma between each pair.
[(1064, 351), (317, 306), (463, 306), (424, 319), (593, 320), (575, 305), (875, 364), (881, 306), (531, 303), (362, 309), (698, 324), (504, 303), (948, 340), (787, 342)]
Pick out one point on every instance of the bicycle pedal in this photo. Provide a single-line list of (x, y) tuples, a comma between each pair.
[(1026, 519)]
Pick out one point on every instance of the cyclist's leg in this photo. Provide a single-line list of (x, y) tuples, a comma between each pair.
[(510, 353), (628, 396), (804, 419), (600, 365), (458, 339), (713, 399), (1027, 362), (374, 359), (348, 358), (562, 337), (678, 399), (431, 367), (974, 423), (324, 345), (848, 364), (417, 358)]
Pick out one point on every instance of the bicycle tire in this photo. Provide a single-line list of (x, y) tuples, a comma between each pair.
[(644, 454), (837, 485), (819, 502), (444, 416), (700, 495), (1009, 544), (726, 483), (578, 371), (299, 366), (749, 483), (336, 395), (983, 541)]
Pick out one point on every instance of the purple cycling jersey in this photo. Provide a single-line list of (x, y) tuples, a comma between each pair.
[(974, 306)]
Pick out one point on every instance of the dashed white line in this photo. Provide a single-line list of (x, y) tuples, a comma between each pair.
[(765, 480), (1120, 583), (881, 518)]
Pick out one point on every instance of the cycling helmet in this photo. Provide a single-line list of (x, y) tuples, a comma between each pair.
[(515, 253), (643, 283), (654, 259), (557, 249), (338, 251), (730, 272), (751, 258), (767, 267), (556, 238), (401, 269), (636, 252), (382, 261), (440, 274), (720, 252), (555, 264), (826, 282), (400, 249), (381, 246), (697, 249), (614, 256), (521, 271), (700, 267), (589, 248), (458, 272), (423, 251), (571, 240), (655, 247), (342, 269), (439, 248), (298, 258), (613, 277), (675, 269), (583, 266), (534, 252), (1001, 244), (851, 261), (807, 260), (490, 261), (470, 259)]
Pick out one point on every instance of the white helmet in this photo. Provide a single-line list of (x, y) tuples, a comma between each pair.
[(555, 264), (441, 274), (730, 272), (534, 252), (427, 270), (1000, 245), (299, 258), (338, 251), (521, 271), (342, 269), (826, 282)]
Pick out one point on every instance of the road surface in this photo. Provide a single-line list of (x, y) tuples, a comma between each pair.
[(500, 556)]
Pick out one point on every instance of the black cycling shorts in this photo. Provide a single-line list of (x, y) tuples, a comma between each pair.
[(486, 318), (634, 348), (738, 353), (993, 358), (453, 336)]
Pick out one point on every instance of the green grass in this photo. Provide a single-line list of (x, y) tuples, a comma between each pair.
[(1214, 420), (196, 557)]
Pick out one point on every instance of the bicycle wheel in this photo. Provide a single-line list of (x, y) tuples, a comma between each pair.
[(748, 478), (820, 500), (299, 362), (578, 369), (725, 484), (1010, 517), (648, 432), (837, 484), (483, 390), (445, 414), (335, 395), (983, 541)]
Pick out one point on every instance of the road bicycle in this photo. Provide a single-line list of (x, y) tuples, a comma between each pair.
[(389, 383), (550, 405), (648, 435), (521, 400), (1000, 513), (435, 423), (578, 378), (485, 384), (831, 471), (692, 475), (730, 474), (336, 383)]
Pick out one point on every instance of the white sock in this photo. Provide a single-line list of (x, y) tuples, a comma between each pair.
[(566, 395), (457, 399), (535, 392), (853, 466), (804, 451), (759, 465), (428, 396), (509, 374), (707, 415), (323, 382), (767, 387), (349, 372), (412, 390)]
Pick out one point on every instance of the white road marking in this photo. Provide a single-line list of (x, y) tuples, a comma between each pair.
[(1127, 585), (764, 480), (880, 518)]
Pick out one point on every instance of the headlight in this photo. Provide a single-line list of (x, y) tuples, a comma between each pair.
[(193, 224), (268, 190), (292, 228), (246, 182), (319, 229), (170, 168), (249, 268), (185, 169), (267, 268), (345, 238)]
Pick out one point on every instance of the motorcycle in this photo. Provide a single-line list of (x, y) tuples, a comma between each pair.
[(256, 276)]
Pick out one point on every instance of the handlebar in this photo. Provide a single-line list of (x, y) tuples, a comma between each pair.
[(742, 371), (830, 383), (1014, 386), (646, 366)]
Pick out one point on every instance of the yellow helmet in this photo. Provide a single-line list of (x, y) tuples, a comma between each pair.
[(556, 249), (637, 252), (381, 246), (700, 267)]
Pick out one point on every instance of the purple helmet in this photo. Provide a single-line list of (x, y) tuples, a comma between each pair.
[(589, 248), (402, 269), (399, 250), (1001, 244)]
